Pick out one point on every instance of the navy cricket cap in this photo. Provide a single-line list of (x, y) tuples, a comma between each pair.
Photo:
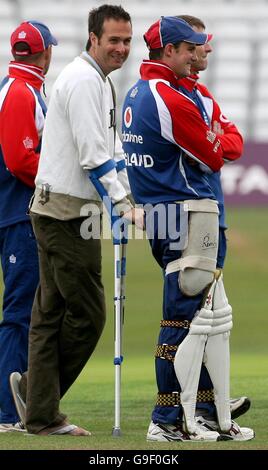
[(171, 30)]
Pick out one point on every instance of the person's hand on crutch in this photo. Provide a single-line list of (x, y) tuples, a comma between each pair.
[(135, 216)]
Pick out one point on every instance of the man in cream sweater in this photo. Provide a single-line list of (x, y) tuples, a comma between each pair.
[(69, 310)]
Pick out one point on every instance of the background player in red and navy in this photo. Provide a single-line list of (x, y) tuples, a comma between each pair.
[(22, 113)]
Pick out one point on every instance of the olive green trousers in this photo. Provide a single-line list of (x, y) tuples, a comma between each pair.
[(68, 317)]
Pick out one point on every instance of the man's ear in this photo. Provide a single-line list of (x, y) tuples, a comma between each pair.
[(93, 38), (168, 50), (47, 52)]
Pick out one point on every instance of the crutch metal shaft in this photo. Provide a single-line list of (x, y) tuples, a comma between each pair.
[(119, 233), (117, 337), (119, 300)]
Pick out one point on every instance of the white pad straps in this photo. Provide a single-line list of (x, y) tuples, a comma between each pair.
[(200, 262)]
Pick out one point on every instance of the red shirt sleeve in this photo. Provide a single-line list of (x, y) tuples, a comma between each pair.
[(189, 130), (231, 140), (19, 136)]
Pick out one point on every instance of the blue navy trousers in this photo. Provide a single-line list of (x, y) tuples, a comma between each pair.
[(176, 306), (19, 261)]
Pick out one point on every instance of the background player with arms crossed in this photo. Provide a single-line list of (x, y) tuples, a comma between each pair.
[(212, 114), (167, 129)]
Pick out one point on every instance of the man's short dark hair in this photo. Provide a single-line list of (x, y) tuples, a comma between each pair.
[(192, 21), (97, 16), (157, 54), (21, 47)]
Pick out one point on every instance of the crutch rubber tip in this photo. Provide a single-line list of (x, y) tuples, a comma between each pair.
[(116, 432)]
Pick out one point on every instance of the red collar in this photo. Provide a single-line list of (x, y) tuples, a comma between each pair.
[(31, 74), (189, 82), (151, 69)]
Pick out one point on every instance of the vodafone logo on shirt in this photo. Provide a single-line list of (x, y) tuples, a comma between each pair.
[(128, 117)]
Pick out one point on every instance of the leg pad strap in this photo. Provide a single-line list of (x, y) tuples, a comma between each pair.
[(173, 399), (175, 324), (163, 351)]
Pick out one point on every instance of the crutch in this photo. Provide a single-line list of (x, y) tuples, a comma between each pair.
[(120, 246), (119, 234)]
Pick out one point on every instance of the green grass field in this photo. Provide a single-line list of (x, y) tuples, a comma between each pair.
[(90, 401)]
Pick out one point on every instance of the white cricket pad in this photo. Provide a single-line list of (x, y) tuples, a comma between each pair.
[(189, 357), (197, 264), (217, 354)]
